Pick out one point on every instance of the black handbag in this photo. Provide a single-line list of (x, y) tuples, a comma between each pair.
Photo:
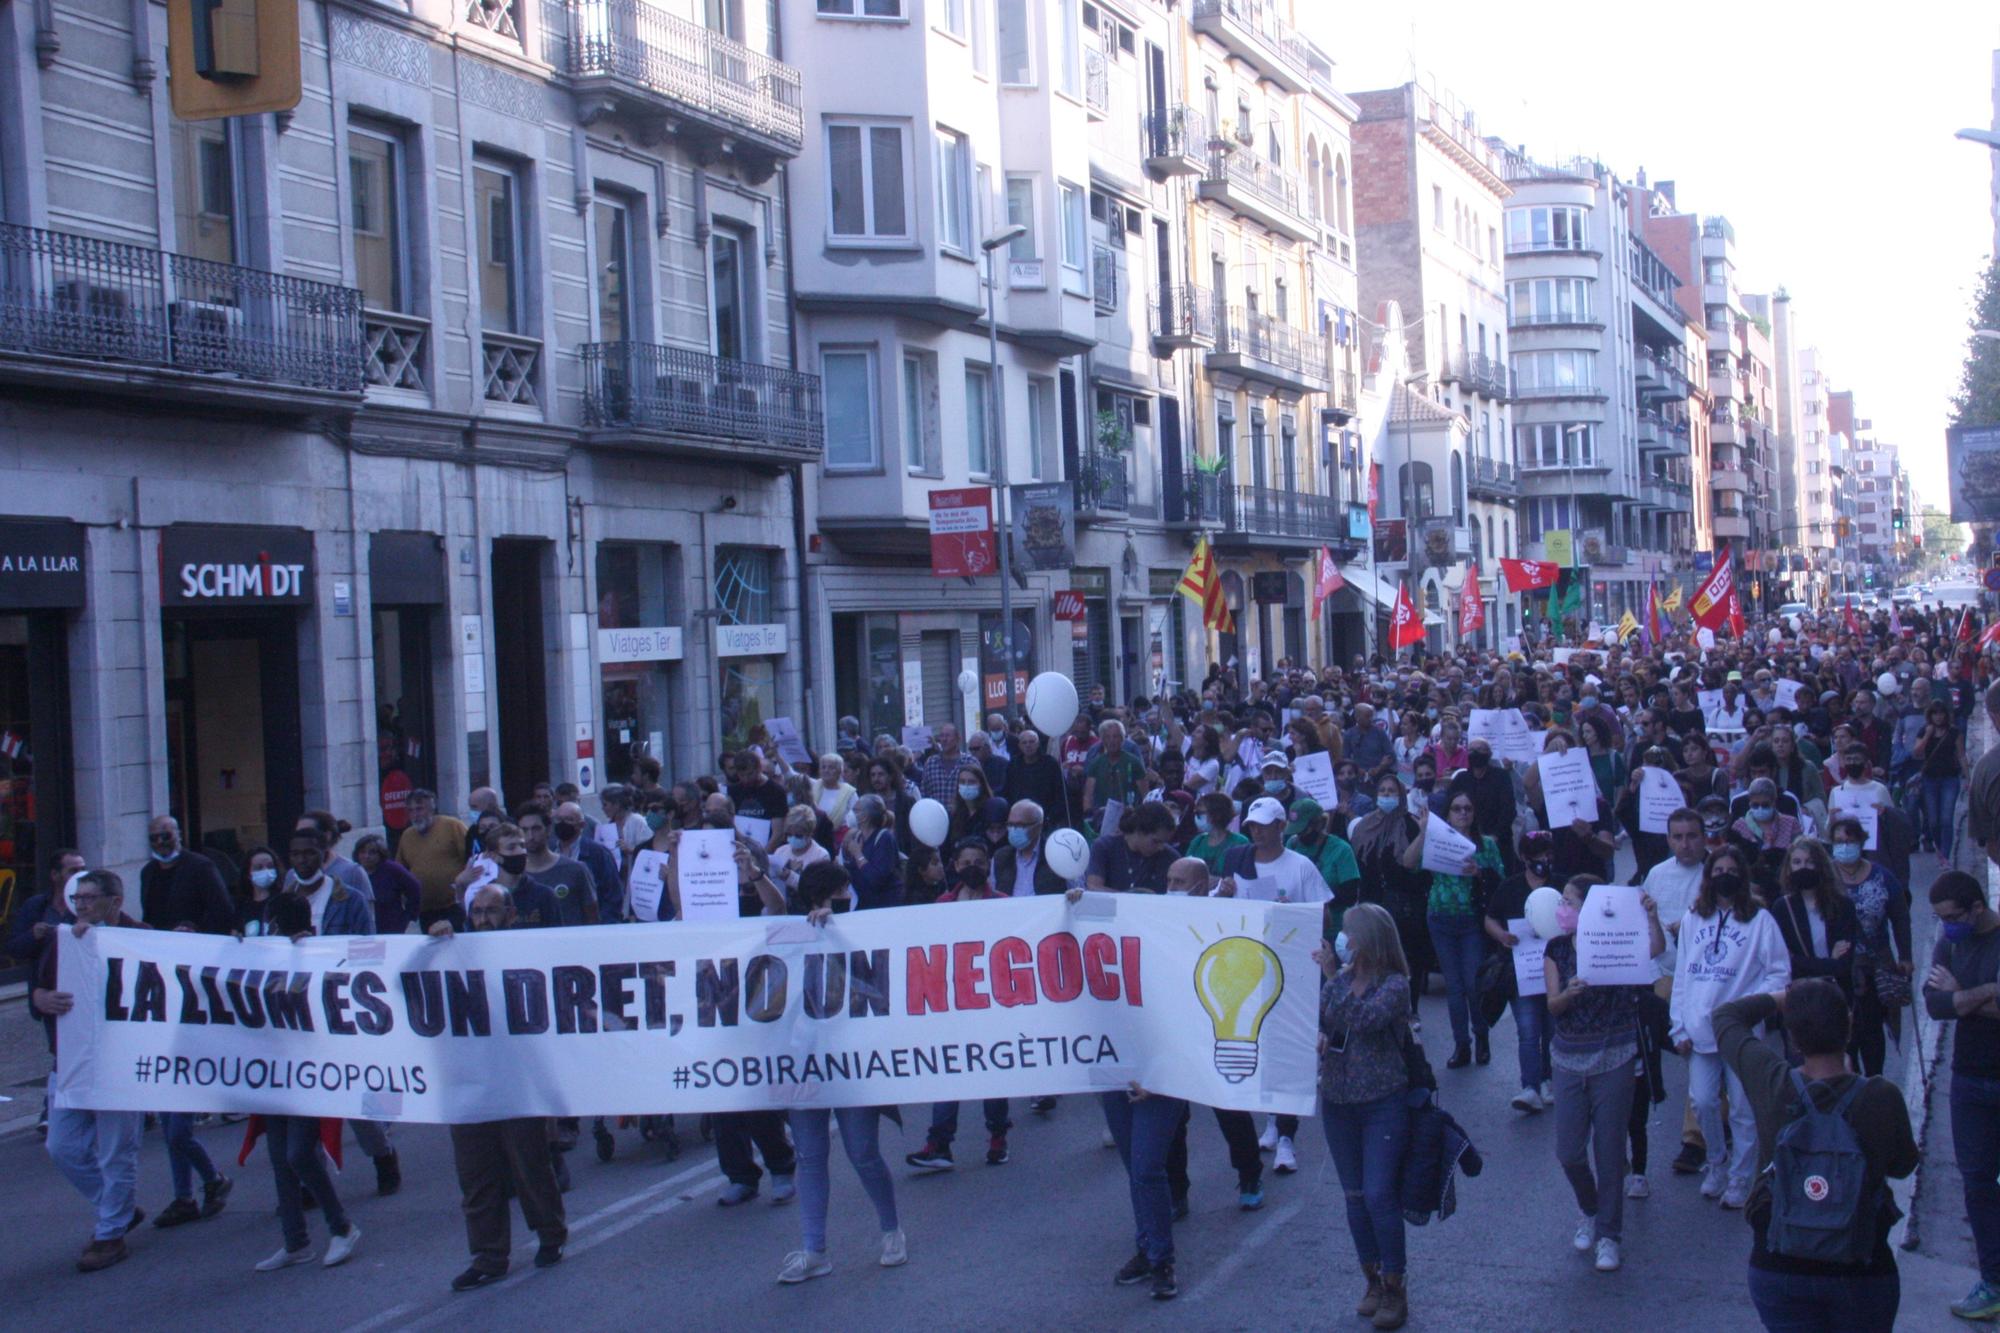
[(1417, 1065), (1495, 985)]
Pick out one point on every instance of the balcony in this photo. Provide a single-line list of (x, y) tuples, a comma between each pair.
[(670, 400), (104, 317), (1270, 516), (1490, 479), (635, 58), (1258, 347), (1104, 278), (1102, 483), (1343, 399), (1476, 372), (1254, 31), (1250, 186), (1730, 523), (1727, 479), (1096, 84), (1176, 142), (1659, 376), (1183, 317)]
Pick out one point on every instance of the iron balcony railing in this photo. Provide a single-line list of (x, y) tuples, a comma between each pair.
[(1263, 18), (1201, 498), (1494, 477), (1104, 277), (1255, 176), (73, 296), (1268, 511), (1101, 482), (1476, 372), (1345, 394), (1184, 314), (1176, 131), (697, 67), (1261, 337), (650, 386)]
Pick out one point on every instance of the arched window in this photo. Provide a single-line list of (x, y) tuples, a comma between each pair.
[(1340, 194), (1457, 487), (1489, 535), (1424, 503), (1312, 174), (1507, 537)]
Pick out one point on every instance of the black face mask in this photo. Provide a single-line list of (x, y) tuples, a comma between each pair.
[(515, 864), (1477, 761), (568, 832), (1805, 879), (970, 876), (1541, 868), (1728, 885)]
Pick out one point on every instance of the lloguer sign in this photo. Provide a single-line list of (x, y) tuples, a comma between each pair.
[(218, 566)]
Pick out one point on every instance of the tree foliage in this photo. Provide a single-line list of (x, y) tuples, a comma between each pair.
[(1943, 539), (1977, 402)]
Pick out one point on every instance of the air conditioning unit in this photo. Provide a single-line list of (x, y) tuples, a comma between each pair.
[(97, 320), (76, 295), (203, 333)]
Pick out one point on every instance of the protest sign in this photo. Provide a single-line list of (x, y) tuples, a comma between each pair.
[(1529, 978), (649, 875), (755, 829), (1445, 848), (1569, 788), (707, 874), (1506, 731), (1785, 694), (1659, 797), (1710, 701), (791, 745), (1313, 775), (1614, 943), (1027, 997), (1861, 806)]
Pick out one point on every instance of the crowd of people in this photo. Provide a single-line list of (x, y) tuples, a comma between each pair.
[(1814, 763)]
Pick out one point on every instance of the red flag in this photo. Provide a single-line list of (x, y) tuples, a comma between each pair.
[(1735, 614), (1471, 607), (1991, 636), (1202, 582), (1528, 575), (1327, 581), (1711, 600), (1407, 628), (1853, 626), (1965, 625)]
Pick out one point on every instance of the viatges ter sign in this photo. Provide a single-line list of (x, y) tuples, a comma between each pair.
[(221, 566)]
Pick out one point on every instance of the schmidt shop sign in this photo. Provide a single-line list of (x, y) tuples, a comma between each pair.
[(214, 566)]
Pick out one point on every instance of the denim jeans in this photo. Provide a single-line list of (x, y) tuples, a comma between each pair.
[(1975, 1141), (944, 1120), (860, 1135), (1460, 945), (1367, 1141), (1941, 811), (295, 1160), (1531, 1027), (1707, 1077), (186, 1158), (98, 1152), (1790, 1303), (1144, 1131)]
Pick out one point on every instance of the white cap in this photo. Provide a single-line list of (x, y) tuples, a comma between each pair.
[(1264, 810)]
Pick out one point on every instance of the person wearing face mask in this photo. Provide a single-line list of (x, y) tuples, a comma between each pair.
[(180, 889), (1492, 788), (868, 853), (1330, 854), (336, 909), (1815, 917), (1764, 834), (1213, 839), (1380, 839), (967, 806), (505, 862), (1728, 949), (569, 837), (1962, 986), (260, 881), (1425, 781), (1505, 905), (797, 851), (568, 883), (1883, 963), (1454, 908), (1020, 870)]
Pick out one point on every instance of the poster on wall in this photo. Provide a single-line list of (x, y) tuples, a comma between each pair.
[(993, 657), (1973, 456), (962, 533), (1044, 523)]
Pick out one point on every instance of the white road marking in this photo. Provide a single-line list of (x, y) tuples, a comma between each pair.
[(1218, 1277)]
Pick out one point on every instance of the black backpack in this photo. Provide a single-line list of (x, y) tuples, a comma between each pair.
[(1826, 1205)]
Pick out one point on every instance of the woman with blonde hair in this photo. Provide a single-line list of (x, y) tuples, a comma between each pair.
[(1364, 1095)]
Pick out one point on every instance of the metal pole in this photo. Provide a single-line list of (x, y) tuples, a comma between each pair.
[(1409, 489), (995, 395)]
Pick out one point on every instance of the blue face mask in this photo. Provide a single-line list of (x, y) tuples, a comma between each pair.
[(1342, 949), (1847, 853), (968, 791), (1019, 838), (1201, 823), (1956, 931), (798, 842), (1274, 785), (1762, 813)]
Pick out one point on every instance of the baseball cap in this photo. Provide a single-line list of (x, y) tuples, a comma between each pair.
[(1275, 760), (1264, 810)]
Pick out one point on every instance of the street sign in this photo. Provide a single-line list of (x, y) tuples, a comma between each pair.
[(1993, 580)]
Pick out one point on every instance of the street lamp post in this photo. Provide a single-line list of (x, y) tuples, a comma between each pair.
[(997, 410), (1409, 494)]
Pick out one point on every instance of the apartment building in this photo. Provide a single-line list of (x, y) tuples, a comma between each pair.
[(1601, 380), (440, 432), (1430, 210), (1675, 237), (1880, 486), (1815, 461)]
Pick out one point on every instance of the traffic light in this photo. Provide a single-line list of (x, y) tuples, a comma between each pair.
[(1843, 529), (232, 57), (1898, 519)]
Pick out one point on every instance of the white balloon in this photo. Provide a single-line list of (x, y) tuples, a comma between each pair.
[(967, 682), (1051, 703), (1541, 911), (930, 822), (1067, 850)]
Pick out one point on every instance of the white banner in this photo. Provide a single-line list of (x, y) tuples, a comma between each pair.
[(1214, 1001)]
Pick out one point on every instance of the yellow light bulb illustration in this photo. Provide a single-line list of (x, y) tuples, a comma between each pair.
[(1238, 979)]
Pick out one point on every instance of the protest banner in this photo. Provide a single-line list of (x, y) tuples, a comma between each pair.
[(1313, 775), (1569, 788), (1445, 848), (1614, 944), (707, 875), (1215, 1003), (1529, 978), (1659, 797)]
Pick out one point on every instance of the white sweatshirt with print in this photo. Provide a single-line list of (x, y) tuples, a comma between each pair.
[(1723, 958)]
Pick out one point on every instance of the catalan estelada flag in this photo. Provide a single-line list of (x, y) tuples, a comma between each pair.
[(1202, 582)]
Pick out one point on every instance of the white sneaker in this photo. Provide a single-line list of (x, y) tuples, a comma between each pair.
[(1608, 1260), (286, 1259), (895, 1249), (804, 1265), (1586, 1235), (1735, 1196), (1713, 1183), (338, 1248), (1269, 1138), (1637, 1187), (1527, 1099), (1286, 1160), (1548, 1093), (1417, 1027)]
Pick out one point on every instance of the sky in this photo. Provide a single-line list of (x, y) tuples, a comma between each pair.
[(1822, 132)]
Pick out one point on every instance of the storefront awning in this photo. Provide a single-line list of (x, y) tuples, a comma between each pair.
[(1365, 591)]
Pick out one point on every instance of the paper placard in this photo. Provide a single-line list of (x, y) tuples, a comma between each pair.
[(649, 875), (1313, 775), (791, 746), (706, 869), (1786, 694), (1562, 655), (755, 829), (1113, 812), (1659, 797), (1710, 701), (1569, 788), (1445, 848), (1858, 804), (1614, 944), (1529, 978), (1506, 731), (917, 739), (489, 871), (606, 834)]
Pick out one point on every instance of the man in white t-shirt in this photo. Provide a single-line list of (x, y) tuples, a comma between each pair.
[(1673, 884), (1267, 869)]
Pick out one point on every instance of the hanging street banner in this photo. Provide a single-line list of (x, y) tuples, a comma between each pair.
[(1212, 1000), (1044, 521), (962, 533), (1972, 454)]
